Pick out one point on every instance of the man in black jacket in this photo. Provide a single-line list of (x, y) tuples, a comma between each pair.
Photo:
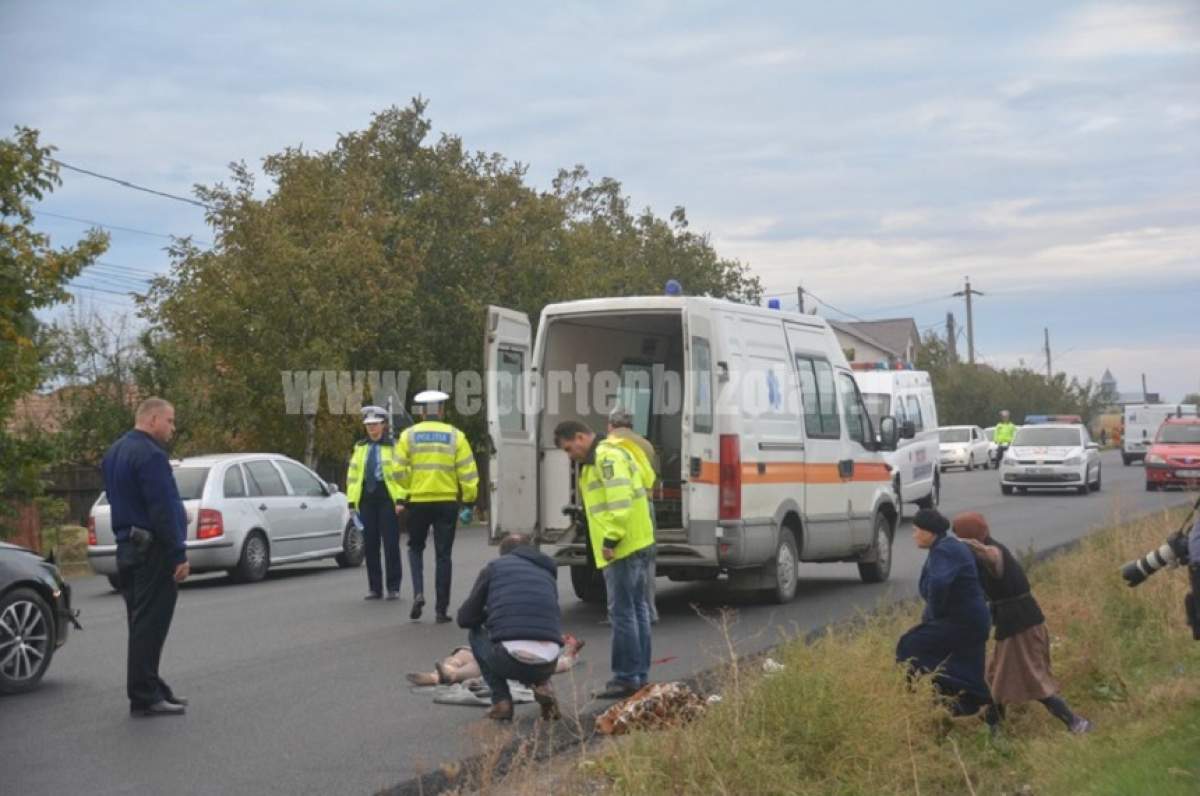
[(515, 625), (150, 525)]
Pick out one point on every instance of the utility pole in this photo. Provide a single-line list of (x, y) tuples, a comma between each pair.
[(1144, 391), (1049, 369), (800, 299), (951, 337), (967, 293)]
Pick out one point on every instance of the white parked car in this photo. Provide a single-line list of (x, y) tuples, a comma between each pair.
[(245, 513), (963, 446), (1052, 455)]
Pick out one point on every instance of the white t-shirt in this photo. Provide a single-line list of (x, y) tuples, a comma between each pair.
[(533, 651)]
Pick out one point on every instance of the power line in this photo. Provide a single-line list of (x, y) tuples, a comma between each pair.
[(134, 230), (134, 186), (824, 303)]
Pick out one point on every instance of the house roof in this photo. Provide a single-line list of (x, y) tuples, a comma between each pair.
[(895, 333), (853, 330)]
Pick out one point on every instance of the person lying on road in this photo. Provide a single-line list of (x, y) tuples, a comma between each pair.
[(460, 666)]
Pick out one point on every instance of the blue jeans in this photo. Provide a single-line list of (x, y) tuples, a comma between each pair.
[(629, 612), (498, 667)]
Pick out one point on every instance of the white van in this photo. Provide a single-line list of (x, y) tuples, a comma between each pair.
[(907, 395), (1141, 426), (768, 455)]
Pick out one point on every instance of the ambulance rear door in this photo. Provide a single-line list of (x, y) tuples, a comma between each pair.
[(511, 423)]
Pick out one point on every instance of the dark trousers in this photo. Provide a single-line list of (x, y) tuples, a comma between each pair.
[(498, 667), (149, 588), (442, 517), (380, 525)]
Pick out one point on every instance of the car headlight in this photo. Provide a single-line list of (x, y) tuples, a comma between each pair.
[(1154, 458), (1073, 461)]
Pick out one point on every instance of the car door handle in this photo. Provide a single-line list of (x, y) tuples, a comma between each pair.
[(846, 468), (262, 506)]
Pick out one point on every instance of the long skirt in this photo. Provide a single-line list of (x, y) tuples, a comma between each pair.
[(1019, 670)]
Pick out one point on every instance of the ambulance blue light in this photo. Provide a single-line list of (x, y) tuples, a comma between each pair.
[(773, 304), (674, 288)]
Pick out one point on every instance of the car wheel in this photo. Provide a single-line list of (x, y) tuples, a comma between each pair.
[(588, 583), (353, 548), (255, 559), (115, 582), (934, 497), (784, 568), (1096, 486), (1006, 489), (1125, 460), (877, 571), (26, 640), (1151, 486)]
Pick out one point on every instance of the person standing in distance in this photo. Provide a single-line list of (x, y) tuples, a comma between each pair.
[(436, 471), (619, 531), (373, 490), (150, 526), (620, 431)]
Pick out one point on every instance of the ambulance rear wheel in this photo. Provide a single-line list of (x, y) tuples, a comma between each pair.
[(588, 583), (784, 568)]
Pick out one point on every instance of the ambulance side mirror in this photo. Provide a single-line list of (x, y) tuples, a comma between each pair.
[(889, 434)]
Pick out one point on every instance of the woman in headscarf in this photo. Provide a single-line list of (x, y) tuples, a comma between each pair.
[(951, 640), (1019, 670)]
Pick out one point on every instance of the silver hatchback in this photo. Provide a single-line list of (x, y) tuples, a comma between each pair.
[(245, 513)]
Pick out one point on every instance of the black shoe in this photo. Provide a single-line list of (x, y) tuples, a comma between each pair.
[(616, 689), (392, 595), (178, 700), (418, 605), (373, 596), (442, 619), (160, 708)]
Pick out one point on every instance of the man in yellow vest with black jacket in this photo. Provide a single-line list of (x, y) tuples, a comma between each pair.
[(373, 491), (620, 534), (437, 471)]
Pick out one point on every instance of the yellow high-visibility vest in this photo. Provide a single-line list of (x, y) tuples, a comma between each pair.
[(356, 473), (615, 502), (436, 464)]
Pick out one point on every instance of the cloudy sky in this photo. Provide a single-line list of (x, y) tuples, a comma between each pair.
[(878, 153)]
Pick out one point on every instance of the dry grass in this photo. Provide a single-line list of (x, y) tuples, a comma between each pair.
[(840, 719)]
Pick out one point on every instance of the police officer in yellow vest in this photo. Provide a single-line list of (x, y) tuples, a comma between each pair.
[(437, 475), (373, 491), (640, 449), (620, 533)]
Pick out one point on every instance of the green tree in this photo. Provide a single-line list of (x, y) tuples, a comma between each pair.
[(383, 253), (1192, 398), (33, 276)]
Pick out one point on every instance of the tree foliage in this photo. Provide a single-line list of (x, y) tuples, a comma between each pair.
[(382, 254), (33, 276), (975, 394)]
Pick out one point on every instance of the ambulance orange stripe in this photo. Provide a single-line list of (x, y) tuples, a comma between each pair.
[(794, 473)]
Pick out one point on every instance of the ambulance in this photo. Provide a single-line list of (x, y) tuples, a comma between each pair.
[(769, 457), (896, 389)]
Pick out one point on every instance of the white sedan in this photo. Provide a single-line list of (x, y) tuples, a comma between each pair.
[(1053, 455), (962, 446)]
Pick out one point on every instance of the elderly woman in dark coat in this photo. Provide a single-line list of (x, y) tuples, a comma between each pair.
[(1019, 670), (951, 640)]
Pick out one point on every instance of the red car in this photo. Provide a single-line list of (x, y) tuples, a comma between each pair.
[(1174, 458)]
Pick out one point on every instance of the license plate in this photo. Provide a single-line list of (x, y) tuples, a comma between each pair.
[(1040, 470), (1188, 473)]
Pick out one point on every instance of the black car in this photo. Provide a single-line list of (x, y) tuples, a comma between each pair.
[(35, 612)]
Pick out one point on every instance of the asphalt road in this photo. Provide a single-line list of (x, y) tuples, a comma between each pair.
[(297, 684)]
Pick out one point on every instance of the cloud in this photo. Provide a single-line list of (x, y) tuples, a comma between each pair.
[(1135, 29)]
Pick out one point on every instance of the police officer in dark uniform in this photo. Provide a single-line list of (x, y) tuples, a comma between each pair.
[(150, 525)]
